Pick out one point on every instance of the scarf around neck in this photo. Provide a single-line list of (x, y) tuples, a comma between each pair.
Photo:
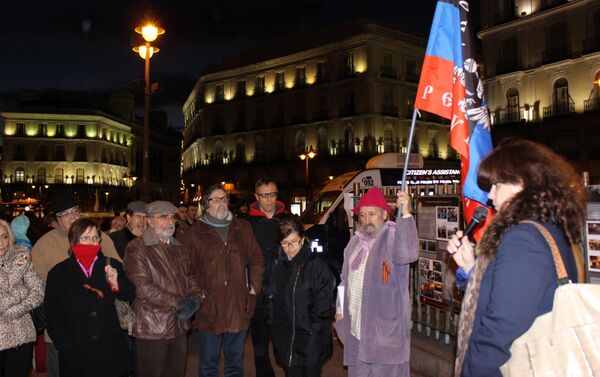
[(365, 244), (217, 223)]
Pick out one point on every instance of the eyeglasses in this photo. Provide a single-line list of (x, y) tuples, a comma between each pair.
[(72, 212), (89, 239), (218, 200), (291, 243), (268, 195)]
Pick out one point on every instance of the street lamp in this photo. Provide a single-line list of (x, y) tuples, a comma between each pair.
[(106, 193), (308, 154), (149, 32)]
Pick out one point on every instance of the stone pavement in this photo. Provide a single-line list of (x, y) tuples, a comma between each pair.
[(429, 358)]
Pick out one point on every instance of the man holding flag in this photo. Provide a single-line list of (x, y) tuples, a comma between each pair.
[(450, 87)]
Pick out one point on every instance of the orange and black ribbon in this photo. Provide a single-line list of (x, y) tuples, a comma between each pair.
[(93, 290), (385, 272)]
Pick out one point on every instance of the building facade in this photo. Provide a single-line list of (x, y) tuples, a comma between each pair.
[(88, 143), (346, 92), (542, 69)]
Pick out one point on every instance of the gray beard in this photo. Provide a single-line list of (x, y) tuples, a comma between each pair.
[(165, 232), (368, 230)]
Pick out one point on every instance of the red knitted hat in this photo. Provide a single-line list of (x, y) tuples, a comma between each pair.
[(373, 198)]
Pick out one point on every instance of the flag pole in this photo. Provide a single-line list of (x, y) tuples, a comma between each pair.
[(407, 156)]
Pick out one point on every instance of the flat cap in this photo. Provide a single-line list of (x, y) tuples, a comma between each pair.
[(137, 207), (160, 207), (63, 202)]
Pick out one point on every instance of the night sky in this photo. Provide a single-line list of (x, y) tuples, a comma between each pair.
[(86, 44)]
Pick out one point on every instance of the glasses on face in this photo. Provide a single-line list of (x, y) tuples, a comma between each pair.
[(291, 243), (268, 195), (72, 212), (89, 239), (218, 200)]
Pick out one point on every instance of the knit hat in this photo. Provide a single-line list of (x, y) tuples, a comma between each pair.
[(160, 207), (137, 207), (63, 202), (373, 198)]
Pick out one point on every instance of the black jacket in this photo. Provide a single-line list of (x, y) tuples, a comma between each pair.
[(301, 308), (84, 327), (121, 238)]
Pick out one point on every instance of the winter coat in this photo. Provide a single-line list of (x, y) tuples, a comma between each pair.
[(385, 308), (301, 294), (121, 239), (162, 275), (221, 269), (84, 327), (516, 288), (21, 290)]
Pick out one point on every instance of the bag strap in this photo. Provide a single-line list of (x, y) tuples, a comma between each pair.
[(561, 271)]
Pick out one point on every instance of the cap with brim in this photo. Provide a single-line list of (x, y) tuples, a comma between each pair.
[(63, 202), (160, 207), (137, 207)]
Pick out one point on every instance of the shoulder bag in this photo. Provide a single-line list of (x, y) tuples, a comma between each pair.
[(124, 312), (565, 341)]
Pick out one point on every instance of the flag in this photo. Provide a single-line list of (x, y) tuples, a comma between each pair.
[(450, 87)]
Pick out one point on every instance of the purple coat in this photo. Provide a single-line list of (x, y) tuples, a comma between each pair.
[(385, 308)]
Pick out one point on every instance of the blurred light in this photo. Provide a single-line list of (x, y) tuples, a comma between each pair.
[(149, 32)]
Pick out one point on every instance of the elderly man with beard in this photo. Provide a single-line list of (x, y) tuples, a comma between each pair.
[(373, 318), (167, 294), (229, 266)]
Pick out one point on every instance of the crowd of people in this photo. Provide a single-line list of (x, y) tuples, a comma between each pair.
[(206, 270)]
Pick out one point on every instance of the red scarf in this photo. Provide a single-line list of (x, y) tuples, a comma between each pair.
[(85, 253)]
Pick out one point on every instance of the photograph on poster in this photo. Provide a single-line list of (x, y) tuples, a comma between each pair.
[(431, 278), (446, 222), (594, 245), (593, 228), (594, 263)]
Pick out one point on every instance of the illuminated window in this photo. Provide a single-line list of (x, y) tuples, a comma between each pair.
[(512, 105), (42, 129), (279, 80), (41, 175), (80, 175), (19, 175), (59, 174), (260, 85), (387, 139), (348, 64), (300, 79), (220, 93)]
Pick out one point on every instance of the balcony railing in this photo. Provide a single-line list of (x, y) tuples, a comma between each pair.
[(556, 53), (389, 72), (507, 115), (389, 110), (592, 104), (591, 45), (558, 109)]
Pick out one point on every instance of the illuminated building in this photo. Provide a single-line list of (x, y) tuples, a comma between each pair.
[(347, 91), (542, 70), (76, 141)]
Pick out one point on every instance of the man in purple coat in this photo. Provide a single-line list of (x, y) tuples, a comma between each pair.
[(373, 315)]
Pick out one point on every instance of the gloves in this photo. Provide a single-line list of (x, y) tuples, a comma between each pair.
[(187, 307)]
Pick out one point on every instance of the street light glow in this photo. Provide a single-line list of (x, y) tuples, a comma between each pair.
[(149, 32), (141, 50)]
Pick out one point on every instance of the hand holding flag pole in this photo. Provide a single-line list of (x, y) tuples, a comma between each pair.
[(407, 157)]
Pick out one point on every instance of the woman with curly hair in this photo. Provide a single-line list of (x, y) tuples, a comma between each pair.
[(21, 290), (512, 280)]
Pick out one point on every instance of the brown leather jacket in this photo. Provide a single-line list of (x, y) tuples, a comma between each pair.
[(220, 269), (162, 275)]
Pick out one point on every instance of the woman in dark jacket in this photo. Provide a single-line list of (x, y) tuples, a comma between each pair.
[(513, 279), (80, 308), (301, 288)]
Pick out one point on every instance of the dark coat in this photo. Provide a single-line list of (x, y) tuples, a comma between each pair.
[(301, 308), (517, 287), (265, 229), (121, 238), (84, 327), (221, 269)]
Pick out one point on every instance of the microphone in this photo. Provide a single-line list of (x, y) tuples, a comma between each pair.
[(478, 217)]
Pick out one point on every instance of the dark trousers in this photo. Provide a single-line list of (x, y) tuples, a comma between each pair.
[(261, 333), (16, 362), (210, 348), (304, 371), (161, 357)]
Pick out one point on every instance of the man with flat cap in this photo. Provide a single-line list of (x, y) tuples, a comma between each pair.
[(166, 296), (135, 215), (374, 320), (53, 248)]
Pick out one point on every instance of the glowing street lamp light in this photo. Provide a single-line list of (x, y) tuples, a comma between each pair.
[(308, 154), (149, 32)]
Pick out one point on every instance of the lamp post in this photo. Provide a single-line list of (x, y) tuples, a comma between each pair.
[(106, 193), (149, 32), (308, 154)]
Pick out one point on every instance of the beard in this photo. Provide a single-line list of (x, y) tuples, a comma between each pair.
[(165, 232), (222, 213), (368, 230)]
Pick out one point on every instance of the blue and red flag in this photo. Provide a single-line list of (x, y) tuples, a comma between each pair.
[(451, 88)]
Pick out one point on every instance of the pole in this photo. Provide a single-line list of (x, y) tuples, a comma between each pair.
[(146, 141), (407, 156)]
